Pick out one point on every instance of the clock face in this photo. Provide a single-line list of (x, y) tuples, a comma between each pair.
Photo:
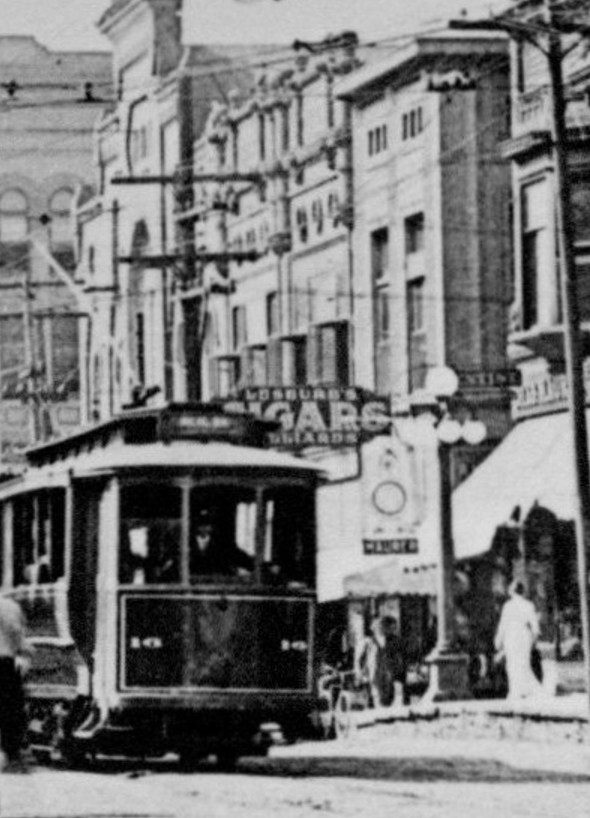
[(389, 497)]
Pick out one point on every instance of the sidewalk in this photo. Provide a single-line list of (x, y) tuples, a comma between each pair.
[(572, 707)]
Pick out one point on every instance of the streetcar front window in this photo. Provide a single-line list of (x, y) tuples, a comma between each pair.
[(151, 522), (222, 532)]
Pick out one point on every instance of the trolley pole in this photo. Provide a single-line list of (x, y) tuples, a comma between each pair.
[(571, 320)]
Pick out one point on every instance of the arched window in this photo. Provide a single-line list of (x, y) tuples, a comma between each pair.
[(14, 216), (60, 206)]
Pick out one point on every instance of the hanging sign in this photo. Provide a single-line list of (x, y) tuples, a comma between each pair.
[(316, 416)]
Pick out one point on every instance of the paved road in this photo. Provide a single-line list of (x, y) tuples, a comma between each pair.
[(377, 774)]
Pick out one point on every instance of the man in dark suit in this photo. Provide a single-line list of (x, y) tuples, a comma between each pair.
[(210, 555)]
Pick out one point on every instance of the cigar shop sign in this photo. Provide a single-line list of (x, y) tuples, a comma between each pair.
[(316, 416)]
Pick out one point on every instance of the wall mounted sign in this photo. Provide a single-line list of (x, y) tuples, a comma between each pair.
[(392, 497), (316, 416), (408, 545)]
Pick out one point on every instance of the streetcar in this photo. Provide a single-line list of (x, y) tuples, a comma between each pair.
[(138, 647)]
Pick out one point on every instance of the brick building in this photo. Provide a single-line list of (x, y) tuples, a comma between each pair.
[(51, 100)]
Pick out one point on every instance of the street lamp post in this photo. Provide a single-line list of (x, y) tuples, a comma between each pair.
[(448, 666)]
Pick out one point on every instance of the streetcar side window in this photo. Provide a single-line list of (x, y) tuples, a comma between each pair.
[(289, 536), (38, 537), (23, 550), (151, 522)]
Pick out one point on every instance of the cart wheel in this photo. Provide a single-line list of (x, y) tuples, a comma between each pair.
[(343, 717)]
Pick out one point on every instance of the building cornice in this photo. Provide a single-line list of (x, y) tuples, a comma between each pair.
[(422, 49)]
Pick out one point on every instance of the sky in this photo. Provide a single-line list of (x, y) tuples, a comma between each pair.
[(71, 24)]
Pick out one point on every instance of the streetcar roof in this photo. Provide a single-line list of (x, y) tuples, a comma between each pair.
[(120, 457), (187, 454)]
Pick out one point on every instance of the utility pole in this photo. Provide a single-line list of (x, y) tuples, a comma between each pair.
[(574, 358), (545, 34)]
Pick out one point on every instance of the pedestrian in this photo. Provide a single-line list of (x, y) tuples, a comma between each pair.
[(516, 635), (15, 654)]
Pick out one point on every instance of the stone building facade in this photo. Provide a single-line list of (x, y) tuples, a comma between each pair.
[(137, 264), (432, 244)]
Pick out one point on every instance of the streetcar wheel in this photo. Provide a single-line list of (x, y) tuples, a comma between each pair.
[(343, 716)]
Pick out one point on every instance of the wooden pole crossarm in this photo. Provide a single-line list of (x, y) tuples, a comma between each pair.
[(199, 255), (254, 178)]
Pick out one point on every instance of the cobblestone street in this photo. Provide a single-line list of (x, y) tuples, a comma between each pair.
[(382, 771)]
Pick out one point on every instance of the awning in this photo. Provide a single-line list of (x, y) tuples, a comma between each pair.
[(532, 465), (392, 578)]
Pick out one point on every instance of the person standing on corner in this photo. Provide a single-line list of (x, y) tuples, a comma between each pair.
[(15, 654), (517, 632)]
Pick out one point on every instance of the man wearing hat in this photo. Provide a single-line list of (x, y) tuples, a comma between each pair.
[(211, 555)]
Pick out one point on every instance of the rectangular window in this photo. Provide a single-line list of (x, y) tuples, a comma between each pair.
[(272, 314), (224, 375), (414, 233), (415, 305), (286, 129), (140, 346), (328, 354), (262, 136), (300, 120), (294, 363), (239, 327), (377, 140), (412, 123), (417, 349), (379, 253), (534, 218), (382, 315), (253, 366)]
